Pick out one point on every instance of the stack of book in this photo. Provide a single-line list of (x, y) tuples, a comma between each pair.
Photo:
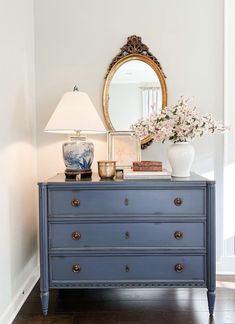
[(146, 170)]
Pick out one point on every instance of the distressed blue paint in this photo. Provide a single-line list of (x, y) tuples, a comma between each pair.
[(112, 202), (43, 232), (97, 234), (141, 267), (211, 255), (150, 249)]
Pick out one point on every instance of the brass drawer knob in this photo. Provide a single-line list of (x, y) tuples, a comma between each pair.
[(76, 268), (75, 202), (178, 235), (127, 268), (179, 267), (178, 201), (76, 236)]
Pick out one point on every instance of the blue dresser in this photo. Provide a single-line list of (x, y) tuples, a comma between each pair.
[(135, 233)]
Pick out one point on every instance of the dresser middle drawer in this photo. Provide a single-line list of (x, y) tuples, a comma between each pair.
[(76, 235)]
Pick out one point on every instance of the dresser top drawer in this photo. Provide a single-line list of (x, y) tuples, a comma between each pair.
[(126, 201)]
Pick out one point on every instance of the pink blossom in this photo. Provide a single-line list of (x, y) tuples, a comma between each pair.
[(178, 123)]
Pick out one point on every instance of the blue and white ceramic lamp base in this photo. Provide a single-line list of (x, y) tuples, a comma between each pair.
[(78, 155)]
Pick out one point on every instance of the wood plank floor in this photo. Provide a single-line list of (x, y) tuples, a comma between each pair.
[(129, 306)]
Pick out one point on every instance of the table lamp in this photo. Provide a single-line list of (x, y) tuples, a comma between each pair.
[(76, 115)]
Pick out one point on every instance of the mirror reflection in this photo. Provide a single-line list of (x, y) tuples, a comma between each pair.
[(135, 92)]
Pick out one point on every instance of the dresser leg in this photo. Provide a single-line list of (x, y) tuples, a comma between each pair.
[(211, 301), (45, 301)]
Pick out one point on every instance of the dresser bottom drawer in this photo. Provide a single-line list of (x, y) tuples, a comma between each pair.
[(133, 267)]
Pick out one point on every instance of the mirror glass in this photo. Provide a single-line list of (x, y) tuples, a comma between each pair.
[(135, 92)]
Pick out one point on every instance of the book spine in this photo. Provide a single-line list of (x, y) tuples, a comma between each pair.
[(147, 168), (147, 163)]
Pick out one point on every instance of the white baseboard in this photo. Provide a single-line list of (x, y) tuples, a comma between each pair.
[(12, 310)]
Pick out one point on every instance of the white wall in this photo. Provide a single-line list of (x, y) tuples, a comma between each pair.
[(227, 264), (18, 230), (76, 41)]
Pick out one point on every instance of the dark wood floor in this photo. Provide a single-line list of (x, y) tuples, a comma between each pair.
[(129, 306)]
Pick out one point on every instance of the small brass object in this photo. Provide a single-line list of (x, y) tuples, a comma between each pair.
[(76, 268), (126, 202), (107, 169), (127, 235), (178, 201), (179, 267), (76, 236), (178, 235), (75, 202), (119, 174), (127, 268)]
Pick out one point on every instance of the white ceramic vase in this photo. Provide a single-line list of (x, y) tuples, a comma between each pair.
[(181, 156)]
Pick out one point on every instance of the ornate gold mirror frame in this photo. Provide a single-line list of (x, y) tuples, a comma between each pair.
[(134, 49)]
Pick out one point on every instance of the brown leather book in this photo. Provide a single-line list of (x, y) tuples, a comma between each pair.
[(147, 166)]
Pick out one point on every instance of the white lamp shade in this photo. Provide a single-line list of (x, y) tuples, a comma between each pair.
[(75, 112)]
